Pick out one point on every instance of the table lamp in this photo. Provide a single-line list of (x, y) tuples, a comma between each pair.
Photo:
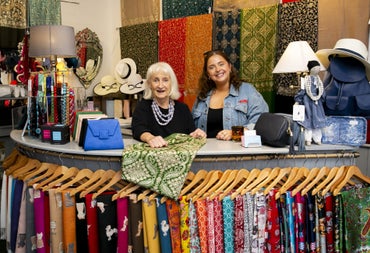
[(295, 59), (52, 41)]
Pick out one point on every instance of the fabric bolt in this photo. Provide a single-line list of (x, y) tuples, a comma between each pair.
[(210, 226), (310, 220), (136, 235), (92, 223), (201, 212), (198, 39), (184, 224), (218, 225), (42, 223), (44, 12), (272, 225), (30, 222), (228, 217), (239, 224), (162, 170), (178, 8), (329, 221), (69, 221), (82, 244), (151, 224), (20, 246), (141, 44), (3, 206), (122, 225), (356, 215), (56, 220), (297, 21), (300, 223), (140, 11), (107, 222), (248, 221), (226, 34), (163, 226), (173, 211), (173, 51), (193, 224), (320, 203), (257, 53)]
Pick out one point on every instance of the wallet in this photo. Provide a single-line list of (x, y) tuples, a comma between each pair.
[(102, 134)]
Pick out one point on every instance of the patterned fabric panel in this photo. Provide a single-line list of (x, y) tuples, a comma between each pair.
[(140, 42), (13, 14), (226, 34), (139, 11), (227, 5), (45, 12), (181, 8), (297, 21)]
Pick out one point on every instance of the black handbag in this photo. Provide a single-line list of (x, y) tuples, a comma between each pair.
[(279, 130)]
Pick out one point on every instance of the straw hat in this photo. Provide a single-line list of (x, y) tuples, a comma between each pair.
[(346, 47), (125, 69), (134, 85)]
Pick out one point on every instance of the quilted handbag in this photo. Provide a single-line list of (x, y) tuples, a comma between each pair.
[(103, 134)]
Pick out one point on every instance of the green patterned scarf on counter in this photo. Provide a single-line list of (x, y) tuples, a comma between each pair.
[(162, 170)]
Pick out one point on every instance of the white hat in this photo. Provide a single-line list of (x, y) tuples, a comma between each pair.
[(107, 85), (346, 47), (125, 68), (134, 85)]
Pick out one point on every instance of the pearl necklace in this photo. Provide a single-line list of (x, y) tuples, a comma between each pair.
[(318, 83), (161, 118)]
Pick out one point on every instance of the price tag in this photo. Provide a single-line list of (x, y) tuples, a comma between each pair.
[(298, 112)]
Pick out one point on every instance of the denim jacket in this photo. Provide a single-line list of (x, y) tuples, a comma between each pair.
[(241, 108)]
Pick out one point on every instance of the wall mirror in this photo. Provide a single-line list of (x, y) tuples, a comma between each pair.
[(90, 54)]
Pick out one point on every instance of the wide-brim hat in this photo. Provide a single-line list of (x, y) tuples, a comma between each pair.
[(124, 69), (107, 83), (346, 47), (134, 85)]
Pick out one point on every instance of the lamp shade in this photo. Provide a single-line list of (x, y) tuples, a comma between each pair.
[(295, 58), (52, 40)]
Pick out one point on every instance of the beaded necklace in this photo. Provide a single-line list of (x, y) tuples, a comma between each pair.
[(161, 118), (318, 83)]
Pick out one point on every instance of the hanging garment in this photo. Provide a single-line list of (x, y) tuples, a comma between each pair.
[(300, 229), (329, 221), (92, 223), (56, 220), (228, 217), (218, 225), (193, 224), (201, 214), (272, 225), (259, 223), (82, 242), (30, 224), (310, 221), (248, 221), (173, 211), (3, 206), (20, 246), (164, 227), (239, 224), (42, 221), (122, 225), (184, 224), (69, 221), (136, 235), (151, 225)]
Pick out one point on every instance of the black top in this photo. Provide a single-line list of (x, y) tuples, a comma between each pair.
[(143, 120), (214, 122)]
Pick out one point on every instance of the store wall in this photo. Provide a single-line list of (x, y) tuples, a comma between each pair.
[(103, 18)]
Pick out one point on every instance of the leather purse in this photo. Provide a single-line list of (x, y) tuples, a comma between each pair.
[(102, 134)]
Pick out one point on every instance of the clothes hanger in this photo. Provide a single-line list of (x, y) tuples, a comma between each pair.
[(198, 178), (94, 178), (11, 158), (67, 174), (32, 164), (296, 175), (116, 179), (79, 178), (125, 191), (253, 174), (240, 177), (353, 171), (283, 173), (339, 176), (43, 167), (311, 175), (227, 176), (324, 171), (271, 176), (144, 194), (21, 161), (212, 177), (107, 175), (330, 176), (261, 176), (58, 172), (51, 168)]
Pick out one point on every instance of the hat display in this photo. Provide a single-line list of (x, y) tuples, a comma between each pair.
[(346, 47), (134, 85), (124, 69)]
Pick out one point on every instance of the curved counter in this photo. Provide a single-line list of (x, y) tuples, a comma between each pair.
[(215, 154)]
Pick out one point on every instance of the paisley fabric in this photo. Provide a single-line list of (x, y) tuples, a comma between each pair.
[(226, 34), (140, 43), (198, 40), (257, 48), (297, 21), (239, 224), (172, 50), (139, 11), (13, 14), (180, 8), (162, 170), (44, 12), (218, 225)]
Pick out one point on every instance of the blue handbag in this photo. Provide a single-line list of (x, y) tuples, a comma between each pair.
[(102, 134)]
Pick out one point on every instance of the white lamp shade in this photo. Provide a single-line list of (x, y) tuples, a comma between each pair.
[(295, 58), (52, 40)]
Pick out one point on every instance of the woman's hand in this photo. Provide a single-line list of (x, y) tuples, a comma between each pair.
[(198, 133), (157, 142), (224, 135)]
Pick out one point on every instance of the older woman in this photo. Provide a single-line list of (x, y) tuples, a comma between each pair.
[(159, 114)]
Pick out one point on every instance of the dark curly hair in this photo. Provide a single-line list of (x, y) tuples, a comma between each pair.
[(205, 84)]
